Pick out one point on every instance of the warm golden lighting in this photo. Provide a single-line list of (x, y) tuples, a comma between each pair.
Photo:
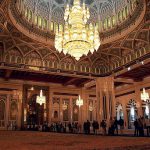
[(79, 102), (144, 95), (41, 99), (77, 38)]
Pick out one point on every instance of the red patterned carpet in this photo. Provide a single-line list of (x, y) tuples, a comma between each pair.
[(20, 140)]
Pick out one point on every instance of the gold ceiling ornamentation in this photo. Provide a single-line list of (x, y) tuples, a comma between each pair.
[(77, 38)]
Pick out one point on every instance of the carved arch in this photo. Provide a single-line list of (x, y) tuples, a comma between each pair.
[(67, 63), (51, 61), (33, 59), (13, 56)]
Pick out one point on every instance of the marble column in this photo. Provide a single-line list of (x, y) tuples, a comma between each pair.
[(20, 107), (70, 110), (8, 110), (138, 98), (61, 109), (82, 113), (50, 105), (105, 98), (125, 116)]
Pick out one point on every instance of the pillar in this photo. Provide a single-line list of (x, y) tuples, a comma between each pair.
[(138, 98), (105, 98), (83, 108), (20, 107), (61, 110), (50, 105), (70, 109), (7, 109), (125, 115)]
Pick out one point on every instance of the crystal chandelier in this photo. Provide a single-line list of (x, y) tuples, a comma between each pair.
[(144, 95), (79, 102), (77, 38), (41, 99), (65, 106)]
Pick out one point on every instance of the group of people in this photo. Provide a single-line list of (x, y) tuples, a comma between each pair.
[(140, 124), (108, 128), (112, 126), (87, 127)]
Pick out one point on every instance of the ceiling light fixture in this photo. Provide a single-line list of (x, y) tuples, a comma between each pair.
[(41, 99), (144, 95), (77, 37), (79, 102)]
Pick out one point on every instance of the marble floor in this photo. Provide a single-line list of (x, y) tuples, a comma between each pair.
[(21, 140)]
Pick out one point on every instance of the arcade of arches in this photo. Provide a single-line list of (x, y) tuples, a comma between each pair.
[(110, 81)]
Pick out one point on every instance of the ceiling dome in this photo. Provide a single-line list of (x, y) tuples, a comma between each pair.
[(100, 9)]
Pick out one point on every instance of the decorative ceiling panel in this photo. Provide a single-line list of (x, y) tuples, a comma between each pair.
[(55, 8)]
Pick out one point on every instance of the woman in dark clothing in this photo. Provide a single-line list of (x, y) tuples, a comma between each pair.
[(136, 128)]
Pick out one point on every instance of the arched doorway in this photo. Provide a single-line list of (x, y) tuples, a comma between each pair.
[(119, 111), (2, 114), (13, 113), (35, 112), (131, 113)]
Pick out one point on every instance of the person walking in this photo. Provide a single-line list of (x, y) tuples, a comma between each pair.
[(147, 125), (115, 125), (103, 126), (121, 124), (96, 127), (88, 126), (111, 127), (136, 128)]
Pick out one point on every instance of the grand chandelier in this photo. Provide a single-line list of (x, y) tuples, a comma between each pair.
[(41, 99), (77, 37)]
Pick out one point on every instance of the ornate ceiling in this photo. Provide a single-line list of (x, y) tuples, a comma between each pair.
[(18, 50), (100, 9)]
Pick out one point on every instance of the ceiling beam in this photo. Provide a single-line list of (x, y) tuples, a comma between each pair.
[(7, 74), (90, 84), (70, 81), (76, 75), (123, 80)]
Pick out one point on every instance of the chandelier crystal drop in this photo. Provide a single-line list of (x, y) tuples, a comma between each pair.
[(77, 38)]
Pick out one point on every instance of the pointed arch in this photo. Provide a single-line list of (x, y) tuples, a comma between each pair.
[(100, 66), (84, 65), (33, 59), (51, 61), (68, 63), (13, 56)]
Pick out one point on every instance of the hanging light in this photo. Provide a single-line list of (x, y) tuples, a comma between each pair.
[(144, 95), (79, 101), (64, 106), (41, 99), (77, 38)]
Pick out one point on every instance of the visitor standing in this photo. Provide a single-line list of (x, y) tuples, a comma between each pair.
[(88, 127), (121, 124), (147, 125), (136, 128), (103, 126), (115, 125), (111, 127)]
